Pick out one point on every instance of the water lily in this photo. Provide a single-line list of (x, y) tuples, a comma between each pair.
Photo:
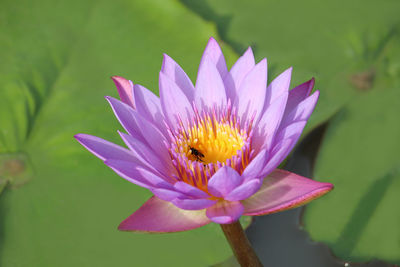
[(209, 152)]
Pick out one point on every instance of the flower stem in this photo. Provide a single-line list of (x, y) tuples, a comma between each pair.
[(240, 245)]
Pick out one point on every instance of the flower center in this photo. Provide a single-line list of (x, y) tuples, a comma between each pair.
[(208, 142), (212, 141)]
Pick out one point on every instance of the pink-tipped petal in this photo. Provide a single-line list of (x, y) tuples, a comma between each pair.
[(224, 181), (244, 191), (213, 53), (251, 93), (283, 190), (104, 149), (178, 75), (255, 167), (237, 73), (210, 89), (278, 86), (161, 216), (125, 90), (174, 103), (225, 212), (190, 190), (193, 204), (298, 94)]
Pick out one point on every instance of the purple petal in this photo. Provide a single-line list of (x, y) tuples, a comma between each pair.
[(210, 89), (161, 216), (104, 149), (178, 75), (237, 73), (251, 93), (292, 131), (193, 204), (190, 190), (148, 105), (255, 167), (279, 153), (123, 112), (300, 112), (146, 154), (129, 171), (284, 190), (298, 94), (224, 181), (125, 90), (278, 86), (225, 212), (244, 191), (269, 123), (213, 53), (174, 102), (153, 136), (167, 194)]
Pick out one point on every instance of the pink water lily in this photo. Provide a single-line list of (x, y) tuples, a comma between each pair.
[(209, 152)]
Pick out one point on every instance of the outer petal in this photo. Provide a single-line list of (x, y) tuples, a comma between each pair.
[(123, 112), (298, 94), (237, 73), (146, 154), (210, 89), (224, 181), (174, 102), (178, 75), (148, 105), (225, 212), (104, 149), (125, 90), (136, 174), (251, 94), (284, 190), (161, 216), (213, 53), (300, 112)]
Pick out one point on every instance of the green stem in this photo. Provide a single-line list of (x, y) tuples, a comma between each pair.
[(240, 245)]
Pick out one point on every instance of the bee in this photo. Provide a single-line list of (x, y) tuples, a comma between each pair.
[(197, 154)]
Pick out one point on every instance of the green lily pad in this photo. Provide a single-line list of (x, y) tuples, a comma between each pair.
[(57, 58), (321, 39), (360, 219)]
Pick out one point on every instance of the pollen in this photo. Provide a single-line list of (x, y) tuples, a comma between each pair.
[(212, 141), (209, 141)]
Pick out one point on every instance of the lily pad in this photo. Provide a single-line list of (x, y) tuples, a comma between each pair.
[(57, 58), (360, 219), (321, 39)]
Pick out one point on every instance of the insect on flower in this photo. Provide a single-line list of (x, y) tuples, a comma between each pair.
[(197, 154), (209, 152)]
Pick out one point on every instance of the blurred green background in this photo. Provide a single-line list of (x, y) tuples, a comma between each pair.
[(59, 206)]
